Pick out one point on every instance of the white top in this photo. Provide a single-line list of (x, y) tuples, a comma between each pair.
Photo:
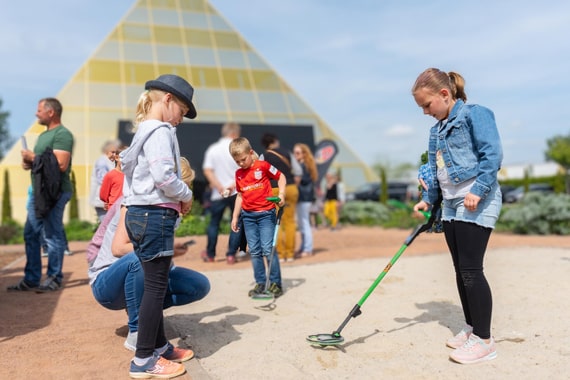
[(219, 159)]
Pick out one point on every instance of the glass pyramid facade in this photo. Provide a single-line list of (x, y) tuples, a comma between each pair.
[(191, 39)]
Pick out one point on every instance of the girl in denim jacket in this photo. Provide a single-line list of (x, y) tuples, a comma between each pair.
[(464, 154)]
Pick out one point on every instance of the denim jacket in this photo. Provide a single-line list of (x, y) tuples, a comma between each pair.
[(470, 146)]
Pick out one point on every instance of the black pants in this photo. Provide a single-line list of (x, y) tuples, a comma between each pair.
[(467, 243), (151, 324)]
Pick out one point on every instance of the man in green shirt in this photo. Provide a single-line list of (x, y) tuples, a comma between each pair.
[(60, 140)]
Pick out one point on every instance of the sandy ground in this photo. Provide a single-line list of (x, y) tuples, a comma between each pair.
[(401, 333)]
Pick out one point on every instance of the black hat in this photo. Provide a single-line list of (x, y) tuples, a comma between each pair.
[(178, 87)]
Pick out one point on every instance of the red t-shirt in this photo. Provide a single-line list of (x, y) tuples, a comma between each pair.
[(254, 186), (112, 187)]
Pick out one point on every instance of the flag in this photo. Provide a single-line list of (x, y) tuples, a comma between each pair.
[(325, 152)]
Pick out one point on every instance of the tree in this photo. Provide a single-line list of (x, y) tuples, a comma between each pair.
[(6, 202), (73, 206), (5, 139), (559, 152)]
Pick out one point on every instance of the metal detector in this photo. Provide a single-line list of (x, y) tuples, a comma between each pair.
[(266, 294), (334, 338)]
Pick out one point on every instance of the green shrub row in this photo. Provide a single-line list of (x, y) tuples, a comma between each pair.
[(535, 214)]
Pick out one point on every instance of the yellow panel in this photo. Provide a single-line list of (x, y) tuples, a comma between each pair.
[(198, 38), (139, 72), (195, 5), (172, 69), (265, 80), (104, 71), (236, 79), (171, 4), (206, 77), (226, 40), (167, 35)]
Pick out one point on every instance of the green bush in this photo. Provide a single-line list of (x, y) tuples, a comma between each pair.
[(537, 214), (193, 225), (11, 233), (366, 213), (79, 230)]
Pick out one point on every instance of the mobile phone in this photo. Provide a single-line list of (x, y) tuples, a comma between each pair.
[(189, 243), (24, 142)]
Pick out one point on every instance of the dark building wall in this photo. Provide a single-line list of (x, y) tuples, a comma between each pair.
[(195, 138)]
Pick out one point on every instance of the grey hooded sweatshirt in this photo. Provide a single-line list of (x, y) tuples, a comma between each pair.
[(152, 167)]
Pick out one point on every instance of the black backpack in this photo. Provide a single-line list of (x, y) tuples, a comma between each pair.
[(47, 182)]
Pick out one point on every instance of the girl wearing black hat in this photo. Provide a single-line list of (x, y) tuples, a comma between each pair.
[(155, 196)]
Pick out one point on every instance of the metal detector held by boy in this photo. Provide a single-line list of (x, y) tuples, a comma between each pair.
[(266, 294), (335, 338)]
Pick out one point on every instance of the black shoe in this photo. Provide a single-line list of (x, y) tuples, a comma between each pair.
[(275, 290), (21, 286), (258, 289), (49, 285)]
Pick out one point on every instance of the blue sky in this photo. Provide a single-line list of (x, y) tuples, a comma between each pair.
[(353, 62)]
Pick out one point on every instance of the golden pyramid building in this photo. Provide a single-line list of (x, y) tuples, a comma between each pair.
[(191, 39)]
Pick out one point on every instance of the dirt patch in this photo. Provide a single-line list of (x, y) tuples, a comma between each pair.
[(42, 335)]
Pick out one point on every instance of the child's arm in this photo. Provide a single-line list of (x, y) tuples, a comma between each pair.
[(105, 188), (237, 211), (282, 183), (121, 244)]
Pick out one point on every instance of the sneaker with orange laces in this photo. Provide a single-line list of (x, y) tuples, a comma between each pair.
[(156, 368), (176, 354), (461, 337), (475, 350)]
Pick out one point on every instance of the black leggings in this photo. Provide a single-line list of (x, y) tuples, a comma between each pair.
[(151, 325), (467, 243)]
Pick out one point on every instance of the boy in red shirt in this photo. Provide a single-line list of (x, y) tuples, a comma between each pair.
[(258, 214), (112, 185)]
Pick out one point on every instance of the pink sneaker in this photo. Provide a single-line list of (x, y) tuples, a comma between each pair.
[(176, 354), (475, 350), (461, 337)]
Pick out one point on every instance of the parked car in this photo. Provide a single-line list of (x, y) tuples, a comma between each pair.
[(505, 189), (517, 194), (371, 192)]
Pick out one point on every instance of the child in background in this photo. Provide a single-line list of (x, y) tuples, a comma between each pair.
[(253, 186), (330, 209), (155, 196), (112, 185), (425, 178)]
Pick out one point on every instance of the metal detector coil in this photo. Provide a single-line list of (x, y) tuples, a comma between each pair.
[(335, 338)]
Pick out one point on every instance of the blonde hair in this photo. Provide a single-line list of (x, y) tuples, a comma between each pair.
[(308, 160), (240, 146), (434, 79), (146, 99), (187, 174)]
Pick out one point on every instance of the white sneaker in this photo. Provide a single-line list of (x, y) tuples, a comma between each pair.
[(241, 254), (67, 252), (131, 341), (461, 337), (475, 350)]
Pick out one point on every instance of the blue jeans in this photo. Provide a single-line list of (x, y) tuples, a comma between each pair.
[(52, 228), (260, 232), (151, 230), (304, 222), (122, 286), (216, 210)]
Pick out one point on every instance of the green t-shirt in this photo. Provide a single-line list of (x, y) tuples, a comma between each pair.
[(58, 138)]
